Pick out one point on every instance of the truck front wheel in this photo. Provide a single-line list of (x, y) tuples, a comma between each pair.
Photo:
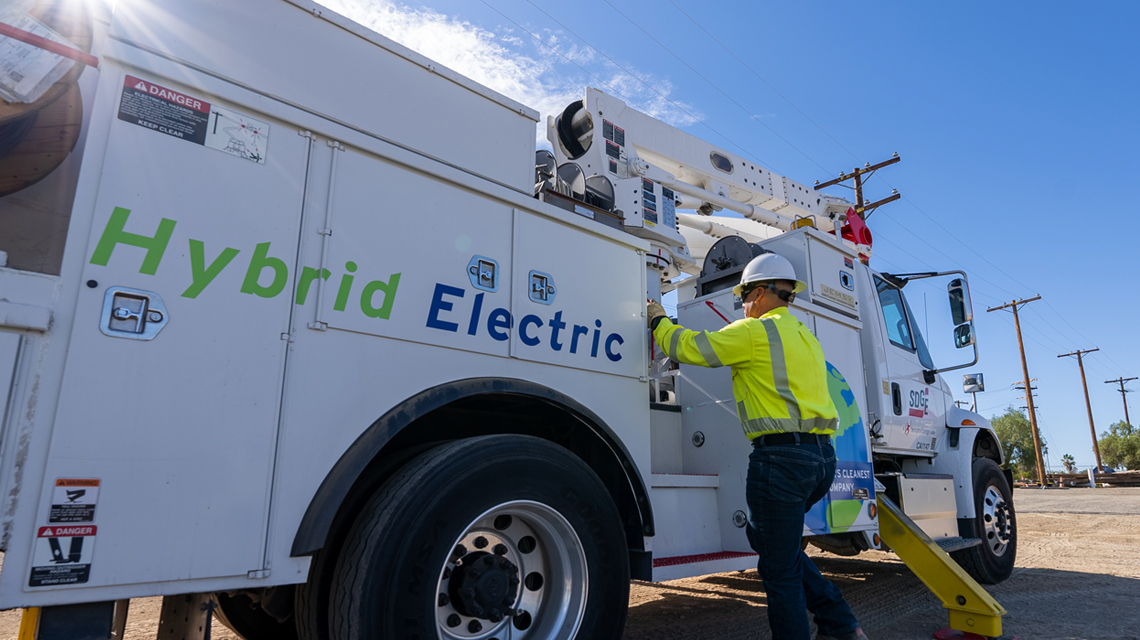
[(994, 522), (491, 537)]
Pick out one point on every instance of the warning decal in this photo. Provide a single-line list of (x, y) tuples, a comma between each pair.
[(164, 110), (237, 134), (188, 118), (62, 555), (73, 500)]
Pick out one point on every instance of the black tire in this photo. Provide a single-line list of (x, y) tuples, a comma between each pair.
[(402, 554), (246, 618), (995, 522), (311, 604), (312, 598)]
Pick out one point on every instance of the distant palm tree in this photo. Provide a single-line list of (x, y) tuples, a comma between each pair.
[(1068, 461)]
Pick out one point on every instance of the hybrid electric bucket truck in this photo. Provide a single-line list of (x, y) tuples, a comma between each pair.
[(295, 329)]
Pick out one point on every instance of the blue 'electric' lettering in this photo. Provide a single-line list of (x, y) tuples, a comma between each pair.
[(499, 322)]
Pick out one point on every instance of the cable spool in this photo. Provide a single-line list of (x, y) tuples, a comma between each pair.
[(575, 130), (600, 192), (574, 181), (27, 157), (724, 263)]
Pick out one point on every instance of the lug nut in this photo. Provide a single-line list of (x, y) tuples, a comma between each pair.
[(475, 626), (460, 551), (480, 542), (444, 600), (500, 549), (453, 620), (495, 615)]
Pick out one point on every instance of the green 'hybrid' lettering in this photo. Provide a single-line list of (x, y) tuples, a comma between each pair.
[(202, 274), (389, 290), (260, 262), (114, 234)]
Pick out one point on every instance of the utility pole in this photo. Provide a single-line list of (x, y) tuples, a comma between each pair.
[(959, 403), (862, 207), (1088, 405), (1028, 394), (1124, 397)]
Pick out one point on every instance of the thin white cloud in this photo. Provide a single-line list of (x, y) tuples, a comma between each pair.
[(513, 63)]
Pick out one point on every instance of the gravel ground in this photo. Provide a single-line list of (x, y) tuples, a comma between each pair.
[(1077, 577)]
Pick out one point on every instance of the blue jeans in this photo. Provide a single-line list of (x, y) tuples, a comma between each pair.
[(784, 481)]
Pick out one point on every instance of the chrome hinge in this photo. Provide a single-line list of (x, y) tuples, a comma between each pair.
[(318, 326), (334, 144), (258, 574), (324, 232), (287, 337), (306, 134)]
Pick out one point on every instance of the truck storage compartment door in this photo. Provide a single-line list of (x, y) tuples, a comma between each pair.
[(576, 309), (173, 379)]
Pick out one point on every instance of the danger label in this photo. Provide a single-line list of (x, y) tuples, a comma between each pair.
[(74, 500), (176, 114), (62, 556), (164, 110)]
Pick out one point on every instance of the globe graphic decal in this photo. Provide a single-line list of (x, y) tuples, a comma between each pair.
[(839, 510), (844, 400)]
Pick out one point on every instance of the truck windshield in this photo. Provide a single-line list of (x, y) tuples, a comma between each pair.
[(902, 330)]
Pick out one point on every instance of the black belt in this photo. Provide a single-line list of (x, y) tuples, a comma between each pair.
[(791, 438)]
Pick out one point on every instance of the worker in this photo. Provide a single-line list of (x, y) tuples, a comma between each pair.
[(779, 380)]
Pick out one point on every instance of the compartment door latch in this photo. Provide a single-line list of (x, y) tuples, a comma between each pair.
[(132, 313)]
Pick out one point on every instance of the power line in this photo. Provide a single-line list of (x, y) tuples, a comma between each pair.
[(642, 81), (563, 56), (761, 79), (842, 146), (751, 116), (785, 140), (833, 139)]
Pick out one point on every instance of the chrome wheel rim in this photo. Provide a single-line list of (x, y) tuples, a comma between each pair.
[(518, 571), (997, 521)]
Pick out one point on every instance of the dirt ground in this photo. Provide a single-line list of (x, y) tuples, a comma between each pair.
[(1077, 577)]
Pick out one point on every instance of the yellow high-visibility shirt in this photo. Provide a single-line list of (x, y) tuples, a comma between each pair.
[(779, 374)]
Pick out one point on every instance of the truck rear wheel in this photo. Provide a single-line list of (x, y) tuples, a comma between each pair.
[(994, 522), (490, 537)]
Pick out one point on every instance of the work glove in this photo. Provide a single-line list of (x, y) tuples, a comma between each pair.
[(654, 310)]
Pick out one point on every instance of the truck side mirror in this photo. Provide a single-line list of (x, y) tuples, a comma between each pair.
[(963, 335), (960, 306)]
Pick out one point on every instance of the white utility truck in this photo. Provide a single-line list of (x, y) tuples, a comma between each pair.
[(300, 323)]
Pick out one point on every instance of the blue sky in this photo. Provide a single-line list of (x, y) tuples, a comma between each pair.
[(1016, 123)]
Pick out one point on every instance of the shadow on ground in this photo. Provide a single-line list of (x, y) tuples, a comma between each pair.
[(891, 604)]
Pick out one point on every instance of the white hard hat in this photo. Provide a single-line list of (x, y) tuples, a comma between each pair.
[(768, 266)]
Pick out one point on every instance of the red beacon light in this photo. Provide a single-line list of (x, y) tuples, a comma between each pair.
[(856, 231)]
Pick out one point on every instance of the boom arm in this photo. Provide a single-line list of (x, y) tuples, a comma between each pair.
[(604, 135)]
